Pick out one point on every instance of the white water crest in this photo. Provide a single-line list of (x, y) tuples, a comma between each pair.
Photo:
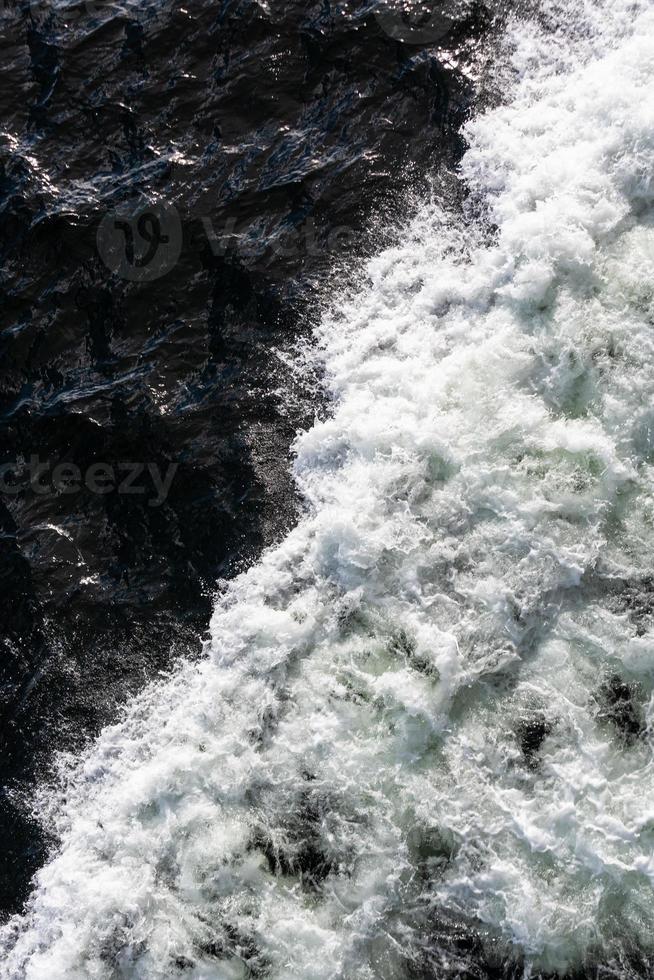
[(420, 743)]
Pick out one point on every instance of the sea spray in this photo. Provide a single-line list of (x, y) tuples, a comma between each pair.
[(420, 741)]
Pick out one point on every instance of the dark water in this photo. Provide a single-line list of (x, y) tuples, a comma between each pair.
[(177, 183)]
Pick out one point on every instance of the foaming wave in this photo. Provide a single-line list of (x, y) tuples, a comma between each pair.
[(420, 743)]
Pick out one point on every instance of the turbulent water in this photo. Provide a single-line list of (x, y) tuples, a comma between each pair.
[(420, 743)]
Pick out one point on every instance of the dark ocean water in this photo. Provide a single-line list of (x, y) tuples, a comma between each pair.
[(177, 185)]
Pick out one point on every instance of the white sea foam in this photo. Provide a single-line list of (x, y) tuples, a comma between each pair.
[(421, 736)]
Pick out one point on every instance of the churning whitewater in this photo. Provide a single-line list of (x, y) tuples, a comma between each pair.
[(420, 743)]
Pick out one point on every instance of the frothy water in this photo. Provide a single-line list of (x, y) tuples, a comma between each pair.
[(420, 743)]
